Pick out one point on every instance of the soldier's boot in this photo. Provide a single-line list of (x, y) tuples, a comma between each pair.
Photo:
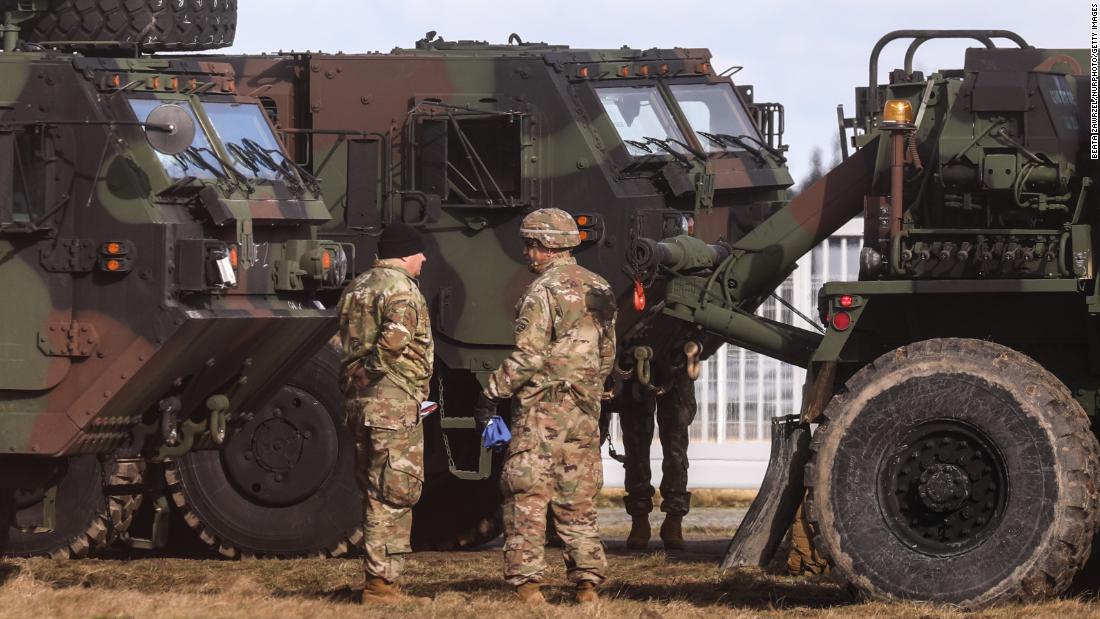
[(671, 532), (586, 592), (378, 591), (529, 593), (639, 533)]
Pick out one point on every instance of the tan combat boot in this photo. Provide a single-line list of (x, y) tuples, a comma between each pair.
[(586, 592), (378, 591), (671, 533), (529, 593), (639, 533)]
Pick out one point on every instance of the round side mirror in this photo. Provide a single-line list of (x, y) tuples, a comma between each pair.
[(169, 129)]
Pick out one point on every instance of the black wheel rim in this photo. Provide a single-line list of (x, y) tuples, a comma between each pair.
[(943, 487), (284, 452)]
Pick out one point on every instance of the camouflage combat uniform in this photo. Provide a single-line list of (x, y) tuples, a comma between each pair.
[(386, 336), (565, 347)]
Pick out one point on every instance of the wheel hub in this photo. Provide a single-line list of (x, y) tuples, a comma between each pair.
[(284, 452), (943, 487)]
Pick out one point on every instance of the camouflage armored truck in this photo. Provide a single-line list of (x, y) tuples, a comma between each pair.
[(462, 139), (159, 261), (956, 383)]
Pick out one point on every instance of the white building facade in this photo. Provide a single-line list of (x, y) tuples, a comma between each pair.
[(739, 392)]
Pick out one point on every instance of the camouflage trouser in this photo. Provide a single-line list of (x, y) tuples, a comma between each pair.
[(803, 557), (553, 459), (675, 412), (389, 468)]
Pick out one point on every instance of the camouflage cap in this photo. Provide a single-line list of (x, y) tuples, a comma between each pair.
[(552, 227)]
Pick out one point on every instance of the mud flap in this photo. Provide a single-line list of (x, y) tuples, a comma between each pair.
[(771, 514)]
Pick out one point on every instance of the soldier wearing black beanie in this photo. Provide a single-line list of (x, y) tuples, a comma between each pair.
[(399, 240)]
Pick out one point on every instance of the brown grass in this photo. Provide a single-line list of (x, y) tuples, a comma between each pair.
[(702, 497), (467, 584)]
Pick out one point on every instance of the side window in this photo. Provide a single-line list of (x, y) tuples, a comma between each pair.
[(30, 162), (471, 160)]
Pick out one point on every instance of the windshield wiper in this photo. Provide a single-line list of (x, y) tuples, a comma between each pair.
[(289, 169), (227, 172), (246, 158), (758, 151)]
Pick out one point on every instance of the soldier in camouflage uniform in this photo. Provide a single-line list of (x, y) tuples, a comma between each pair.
[(565, 348), (388, 350)]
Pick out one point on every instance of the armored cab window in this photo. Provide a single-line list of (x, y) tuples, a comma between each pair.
[(246, 134), (198, 161), (30, 159), (472, 160), (714, 112), (642, 119)]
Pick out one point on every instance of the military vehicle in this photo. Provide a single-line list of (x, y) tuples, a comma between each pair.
[(158, 256), (956, 382), (462, 139)]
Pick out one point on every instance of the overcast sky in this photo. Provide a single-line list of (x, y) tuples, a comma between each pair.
[(806, 55)]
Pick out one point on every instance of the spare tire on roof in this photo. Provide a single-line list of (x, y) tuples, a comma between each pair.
[(158, 25)]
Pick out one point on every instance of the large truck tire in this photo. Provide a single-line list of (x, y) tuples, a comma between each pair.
[(284, 482), (955, 471), (159, 25), (94, 502)]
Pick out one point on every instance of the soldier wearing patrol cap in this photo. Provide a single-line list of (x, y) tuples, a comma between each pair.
[(564, 350), (388, 351)]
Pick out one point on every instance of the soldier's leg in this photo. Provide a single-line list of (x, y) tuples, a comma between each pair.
[(636, 421), (524, 484), (675, 412), (394, 480), (803, 557), (579, 477)]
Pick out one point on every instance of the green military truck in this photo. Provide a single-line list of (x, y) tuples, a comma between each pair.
[(159, 261), (955, 384), (462, 139)]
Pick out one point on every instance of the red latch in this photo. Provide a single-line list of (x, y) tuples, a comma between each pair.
[(639, 295)]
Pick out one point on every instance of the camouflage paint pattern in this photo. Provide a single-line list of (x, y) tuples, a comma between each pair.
[(561, 150), (565, 347), (87, 353)]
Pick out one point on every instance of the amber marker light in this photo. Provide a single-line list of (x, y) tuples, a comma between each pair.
[(113, 265), (582, 72), (624, 71), (582, 220), (116, 80), (584, 235), (154, 82), (113, 248), (233, 256), (704, 67), (174, 83), (644, 71), (664, 68), (897, 112), (326, 261)]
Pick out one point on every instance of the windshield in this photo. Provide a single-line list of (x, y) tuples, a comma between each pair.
[(243, 129), (713, 111), (198, 161), (641, 118)]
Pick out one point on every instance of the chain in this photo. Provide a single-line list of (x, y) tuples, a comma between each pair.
[(442, 432)]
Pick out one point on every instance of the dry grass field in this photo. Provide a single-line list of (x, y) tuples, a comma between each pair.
[(648, 585)]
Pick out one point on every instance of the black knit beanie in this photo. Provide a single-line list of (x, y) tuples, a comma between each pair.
[(399, 240)]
